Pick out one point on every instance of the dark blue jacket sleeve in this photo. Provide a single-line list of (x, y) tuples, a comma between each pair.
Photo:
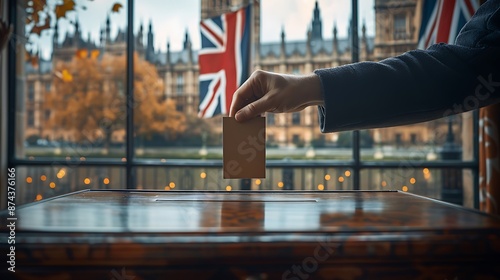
[(419, 85)]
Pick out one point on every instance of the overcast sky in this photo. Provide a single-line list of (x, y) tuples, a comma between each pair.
[(171, 18)]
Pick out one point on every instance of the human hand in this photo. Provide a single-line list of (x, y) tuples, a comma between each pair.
[(276, 93)]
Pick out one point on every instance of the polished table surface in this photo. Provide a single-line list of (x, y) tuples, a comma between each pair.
[(253, 235)]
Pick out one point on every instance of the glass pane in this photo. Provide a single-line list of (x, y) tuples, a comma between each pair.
[(167, 84), (448, 138), (71, 80), (37, 183), (448, 184), (279, 178)]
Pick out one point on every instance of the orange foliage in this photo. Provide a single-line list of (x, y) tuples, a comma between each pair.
[(82, 53), (94, 54), (37, 29), (116, 7), (92, 102), (62, 9), (39, 13)]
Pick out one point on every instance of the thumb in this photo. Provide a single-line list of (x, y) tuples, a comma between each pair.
[(251, 110)]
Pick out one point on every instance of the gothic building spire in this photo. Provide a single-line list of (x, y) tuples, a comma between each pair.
[(108, 30), (101, 37), (364, 40), (188, 46), (187, 40), (150, 48), (363, 31), (140, 36), (78, 34), (168, 60), (335, 40), (55, 39), (283, 50), (316, 24)]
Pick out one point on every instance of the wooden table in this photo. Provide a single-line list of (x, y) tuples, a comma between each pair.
[(122, 234)]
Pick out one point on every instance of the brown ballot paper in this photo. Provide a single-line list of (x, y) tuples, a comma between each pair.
[(244, 148)]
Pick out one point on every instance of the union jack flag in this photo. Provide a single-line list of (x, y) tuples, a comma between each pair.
[(443, 19), (224, 60)]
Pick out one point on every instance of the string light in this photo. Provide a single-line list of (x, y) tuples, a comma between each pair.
[(341, 179), (383, 183), (106, 181), (43, 178), (321, 187), (347, 173), (171, 185), (258, 182), (52, 185), (29, 180), (327, 177), (280, 184), (61, 173), (228, 188), (86, 181), (167, 188), (413, 181), (38, 197), (405, 188), (203, 175)]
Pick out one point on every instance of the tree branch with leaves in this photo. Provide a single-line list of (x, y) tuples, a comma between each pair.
[(89, 99)]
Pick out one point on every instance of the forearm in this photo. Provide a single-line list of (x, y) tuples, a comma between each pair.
[(416, 86)]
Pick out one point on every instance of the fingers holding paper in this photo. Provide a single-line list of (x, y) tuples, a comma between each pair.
[(276, 93)]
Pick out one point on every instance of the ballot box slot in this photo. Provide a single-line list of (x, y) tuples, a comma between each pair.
[(239, 201)]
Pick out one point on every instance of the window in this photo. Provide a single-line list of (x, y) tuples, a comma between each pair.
[(31, 118), (296, 118), (85, 112), (400, 27), (413, 138), (180, 84), (31, 92), (270, 119), (398, 140)]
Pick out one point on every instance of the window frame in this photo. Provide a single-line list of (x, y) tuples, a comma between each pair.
[(355, 164)]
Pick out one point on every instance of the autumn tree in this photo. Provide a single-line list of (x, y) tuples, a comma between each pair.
[(41, 16), (40, 13), (89, 99)]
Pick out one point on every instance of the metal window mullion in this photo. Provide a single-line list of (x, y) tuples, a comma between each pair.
[(129, 91), (355, 58)]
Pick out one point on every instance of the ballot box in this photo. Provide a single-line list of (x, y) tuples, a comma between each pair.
[(129, 234)]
